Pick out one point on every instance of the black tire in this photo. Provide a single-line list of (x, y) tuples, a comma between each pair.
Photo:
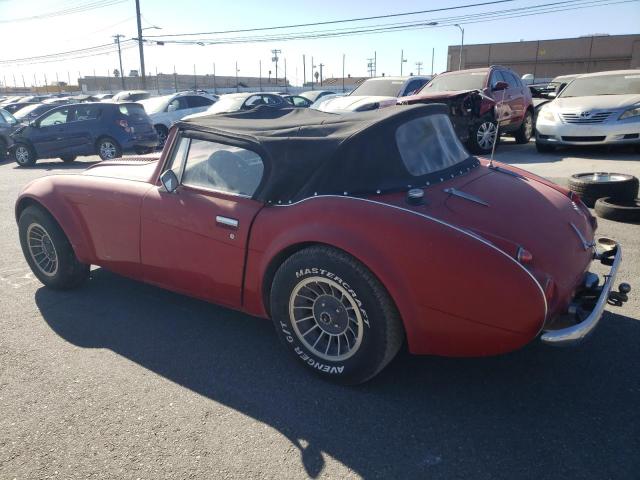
[(373, 317), (108, 149), (69, 271), (525, 132), (620, 212), (545, 148), (23, 155), (593, 185), (68, 158), (479, 141), (163, 133), (3, 150)]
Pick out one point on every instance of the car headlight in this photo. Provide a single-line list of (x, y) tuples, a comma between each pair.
[(547, 115), (632, 112)]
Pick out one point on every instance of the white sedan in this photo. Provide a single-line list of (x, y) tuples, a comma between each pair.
[(166, 110), (594, 109)]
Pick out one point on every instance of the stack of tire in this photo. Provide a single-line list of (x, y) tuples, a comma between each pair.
[(613, 196)]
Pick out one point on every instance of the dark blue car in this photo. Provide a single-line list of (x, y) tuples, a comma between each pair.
[(105, 129)]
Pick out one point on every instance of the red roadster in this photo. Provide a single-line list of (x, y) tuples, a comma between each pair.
[(352, 232)]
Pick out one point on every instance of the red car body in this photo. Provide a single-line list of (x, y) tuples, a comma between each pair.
[(452, 265)]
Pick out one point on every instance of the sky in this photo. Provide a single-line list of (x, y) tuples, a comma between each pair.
[(96, 26)]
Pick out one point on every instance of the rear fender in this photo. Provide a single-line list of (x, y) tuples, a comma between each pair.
[(445, 281)]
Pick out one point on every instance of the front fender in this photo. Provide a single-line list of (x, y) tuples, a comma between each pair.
[(457, 294)]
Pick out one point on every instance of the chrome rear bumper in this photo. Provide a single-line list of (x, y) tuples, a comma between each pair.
[(576, 333)]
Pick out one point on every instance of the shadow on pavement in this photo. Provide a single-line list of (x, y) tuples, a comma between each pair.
[(55, 164), (526, 154), (537, 413)]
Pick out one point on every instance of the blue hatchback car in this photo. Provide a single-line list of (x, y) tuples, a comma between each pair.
[(105, 129)]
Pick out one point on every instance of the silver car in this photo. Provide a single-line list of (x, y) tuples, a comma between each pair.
[(594, 109)]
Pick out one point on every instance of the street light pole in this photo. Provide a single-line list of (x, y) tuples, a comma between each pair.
[(461, 45), (402, 60), (275, 59), (117, 41)]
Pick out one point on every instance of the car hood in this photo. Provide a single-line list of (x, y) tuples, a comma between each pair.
[(434, 95), (517, 209), (354, 103), (137, 169), (598, 102)]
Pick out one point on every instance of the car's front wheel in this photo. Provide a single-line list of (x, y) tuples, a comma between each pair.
[(68, 158), (482, 137), (48, 250), (525, 132), (108, 148), (163, 133), (334, 315), (23, 155)]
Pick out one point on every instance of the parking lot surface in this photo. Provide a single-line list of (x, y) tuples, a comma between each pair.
[(122, 380)]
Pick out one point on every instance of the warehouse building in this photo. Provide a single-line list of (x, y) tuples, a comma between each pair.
[(545, 59)]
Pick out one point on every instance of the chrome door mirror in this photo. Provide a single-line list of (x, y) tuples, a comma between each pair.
[(169, 181)]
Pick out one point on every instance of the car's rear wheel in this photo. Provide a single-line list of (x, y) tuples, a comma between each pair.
[(525, 132), (23, 155), (48, 250), (108, 148), (482, 137), (163, 133), (334, 315), (544, 147), (591, 186), (68, 158)]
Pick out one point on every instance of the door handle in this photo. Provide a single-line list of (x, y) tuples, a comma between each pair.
[(227, 221)]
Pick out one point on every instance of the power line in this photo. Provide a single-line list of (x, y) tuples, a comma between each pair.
[(330, 22), (70, 54), (67, 11)]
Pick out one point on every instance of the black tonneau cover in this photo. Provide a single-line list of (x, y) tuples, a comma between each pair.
[(307, 152)]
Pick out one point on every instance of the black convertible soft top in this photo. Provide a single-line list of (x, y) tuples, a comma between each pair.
[(307, 152)]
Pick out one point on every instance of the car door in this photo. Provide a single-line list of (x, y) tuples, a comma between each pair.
[(49, 136), (198, 103), (503, 108), (177, 109), (515, 95), (82, 128), (194, 240)]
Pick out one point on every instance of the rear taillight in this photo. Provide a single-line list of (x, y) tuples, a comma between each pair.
[(124, 125)]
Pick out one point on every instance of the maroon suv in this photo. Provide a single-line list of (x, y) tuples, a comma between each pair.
[(475, 98)]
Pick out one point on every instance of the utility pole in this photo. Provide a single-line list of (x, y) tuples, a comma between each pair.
[(237, 84), (370, 66), (140, 47), (321, 65), (157, 81), (175, 78), (419, 67), (260, 74), (195, 78), (215, 87), (343, 72), (286, 89), (312, 67), (375, 64), (275, 59), (433, 55), (304, 70), (117, 42), (402, 60), (461, 44), (58, 82)]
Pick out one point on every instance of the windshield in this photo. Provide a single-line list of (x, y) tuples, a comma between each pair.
[(154, 105), (10, 119), (227, 104), (450, 82), (30, 111), (429, 144), (620, 84), (382, 88)]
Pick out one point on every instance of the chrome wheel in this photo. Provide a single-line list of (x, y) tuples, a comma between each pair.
[(604, 177), (42, 250), (528, 126), (486, 135), (162, 136), (326, 318), (107, 150), (22, 154)]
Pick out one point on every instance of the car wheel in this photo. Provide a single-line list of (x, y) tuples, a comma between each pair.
[(525, 132), (591, 186), (334, 315), (482, 137), (545, 148), (108, 148), (618, 211), (48, 250), (68, 158), (163, 133), (23, 155), (3, 150)]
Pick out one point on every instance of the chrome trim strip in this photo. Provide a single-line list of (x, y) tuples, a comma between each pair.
[(441, 222), (227, 221), (465, 195), (585, 244), (576, 333)]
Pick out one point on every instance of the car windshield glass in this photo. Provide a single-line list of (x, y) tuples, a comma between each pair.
[(154, 105), (620, 84), (29, 111), (227, 104), (383, 88), (456, 81), (10, 119), (429, 144)]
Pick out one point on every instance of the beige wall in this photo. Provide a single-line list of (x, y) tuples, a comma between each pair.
[(550, 58)]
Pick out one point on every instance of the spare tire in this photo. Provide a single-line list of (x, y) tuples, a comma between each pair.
[(618, 211), (591, 186)]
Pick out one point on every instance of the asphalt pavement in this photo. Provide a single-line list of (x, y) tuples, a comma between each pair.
[(123, 380)]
